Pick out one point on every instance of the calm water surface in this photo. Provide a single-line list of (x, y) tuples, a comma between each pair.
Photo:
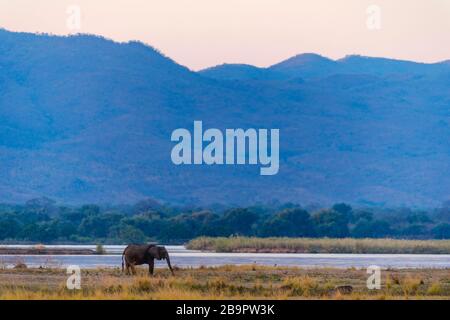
[(182, 257)]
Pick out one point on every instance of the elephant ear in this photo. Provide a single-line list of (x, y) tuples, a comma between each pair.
[(154, 252), (162, 252)]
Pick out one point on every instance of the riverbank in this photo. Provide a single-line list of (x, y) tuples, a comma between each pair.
[(41, 250), (319, 245), (226, 282)]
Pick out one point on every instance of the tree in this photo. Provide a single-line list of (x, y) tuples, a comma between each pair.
[(288, 223), (43, 231), (127, 234), (371, 229), (9, 227), (152, 225), (414, 231), (176, 230), (362, 215), (90, 210), (98, 226), (441, 231), (344, 209), (330, 223), (237, 221), (43, 204), (146, 205), (418, 217)]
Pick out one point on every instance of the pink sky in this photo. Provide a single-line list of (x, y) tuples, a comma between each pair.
[(203, 33)]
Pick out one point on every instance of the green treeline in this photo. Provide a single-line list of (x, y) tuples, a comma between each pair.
[(42, 220)]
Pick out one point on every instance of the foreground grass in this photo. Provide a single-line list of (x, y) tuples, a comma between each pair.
[(319, 245), (227, 282)]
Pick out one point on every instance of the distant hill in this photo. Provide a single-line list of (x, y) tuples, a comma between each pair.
[(84, 119), (307, 65), (241, 72), (310, 65)]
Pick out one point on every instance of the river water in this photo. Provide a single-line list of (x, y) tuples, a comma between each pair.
[(182, 257)]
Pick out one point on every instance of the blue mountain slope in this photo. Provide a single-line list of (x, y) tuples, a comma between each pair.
[(307, 65), (84, 119), (314, 66), (241, 72)]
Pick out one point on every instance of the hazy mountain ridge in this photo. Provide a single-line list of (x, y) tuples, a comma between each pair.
[(84, 119), (310, 65)]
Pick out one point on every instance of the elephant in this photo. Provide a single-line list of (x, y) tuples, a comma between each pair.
[(135, 254)]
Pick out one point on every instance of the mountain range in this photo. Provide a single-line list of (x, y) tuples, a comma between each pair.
[(85, 119)]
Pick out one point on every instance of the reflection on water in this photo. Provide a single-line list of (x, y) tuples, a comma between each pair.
[(182, 257)]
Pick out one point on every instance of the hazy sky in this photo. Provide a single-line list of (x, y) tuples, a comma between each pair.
[(202, 33)]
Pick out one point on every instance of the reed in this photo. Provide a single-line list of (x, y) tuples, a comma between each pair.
[(319, 245)]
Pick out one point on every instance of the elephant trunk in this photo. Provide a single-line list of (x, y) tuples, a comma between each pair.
[(168, 263)]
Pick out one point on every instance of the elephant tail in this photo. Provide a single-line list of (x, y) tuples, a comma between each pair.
[(123, 258)]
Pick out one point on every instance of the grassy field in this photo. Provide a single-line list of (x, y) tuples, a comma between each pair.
[(227, 282), (319, 245)]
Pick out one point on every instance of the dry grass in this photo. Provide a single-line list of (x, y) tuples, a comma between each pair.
[(320, 245), (227, 282)]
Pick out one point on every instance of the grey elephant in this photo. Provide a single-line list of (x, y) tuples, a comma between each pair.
[(135, 254)]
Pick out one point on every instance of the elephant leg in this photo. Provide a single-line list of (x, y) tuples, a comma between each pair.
[(151, 266), (133, 269), (127, 268)]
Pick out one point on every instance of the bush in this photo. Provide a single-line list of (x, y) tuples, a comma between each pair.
[(99, 249)]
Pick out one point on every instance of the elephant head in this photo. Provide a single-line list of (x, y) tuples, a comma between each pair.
[(159, 253)]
